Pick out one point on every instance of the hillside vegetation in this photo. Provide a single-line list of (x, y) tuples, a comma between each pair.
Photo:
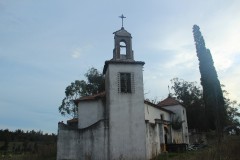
[(30, 145)]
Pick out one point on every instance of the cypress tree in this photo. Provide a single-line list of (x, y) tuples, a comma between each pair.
[(212, 92)]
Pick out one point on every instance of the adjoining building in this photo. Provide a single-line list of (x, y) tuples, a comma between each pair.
[(119, 123)]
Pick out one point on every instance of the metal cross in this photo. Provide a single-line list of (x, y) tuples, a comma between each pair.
[(122, 16)]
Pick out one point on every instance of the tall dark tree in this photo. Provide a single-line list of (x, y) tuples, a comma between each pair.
[(212, 92), (94, 84)]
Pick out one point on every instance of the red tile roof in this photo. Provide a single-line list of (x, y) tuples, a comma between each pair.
[(74, 120), (169, 101), (89, 98)]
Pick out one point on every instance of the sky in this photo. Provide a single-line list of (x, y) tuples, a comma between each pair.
[(45, 45)]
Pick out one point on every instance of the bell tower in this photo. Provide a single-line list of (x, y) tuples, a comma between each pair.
[(125, 100), (122, 45)]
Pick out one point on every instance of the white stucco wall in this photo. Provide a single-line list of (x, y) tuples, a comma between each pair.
[(180, 136), (155, 131), (152, 140), (126, 114), (89, 112), (152, 113)]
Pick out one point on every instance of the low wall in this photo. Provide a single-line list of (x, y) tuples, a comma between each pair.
[(83, 144)]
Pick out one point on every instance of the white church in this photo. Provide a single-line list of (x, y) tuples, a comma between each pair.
[(119, 124)]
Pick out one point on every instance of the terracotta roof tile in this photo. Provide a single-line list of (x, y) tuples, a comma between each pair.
[(169, 101), (89, 98), (74, 120)]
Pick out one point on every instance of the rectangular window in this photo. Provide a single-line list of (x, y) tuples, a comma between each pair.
[(125, 83)]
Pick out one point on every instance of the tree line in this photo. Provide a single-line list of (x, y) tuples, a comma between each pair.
[(32, 136)]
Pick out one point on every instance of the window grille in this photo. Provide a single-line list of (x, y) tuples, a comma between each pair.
[(126, 83)]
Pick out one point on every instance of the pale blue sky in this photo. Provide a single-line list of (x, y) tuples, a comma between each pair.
[(47, 44)]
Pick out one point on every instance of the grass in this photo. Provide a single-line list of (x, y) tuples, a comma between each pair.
[(229, 150), (27, 157), (44, 151)]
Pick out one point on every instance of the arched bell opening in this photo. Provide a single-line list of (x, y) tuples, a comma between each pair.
[(123, 48)]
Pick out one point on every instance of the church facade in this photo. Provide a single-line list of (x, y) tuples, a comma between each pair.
[(119, 123)]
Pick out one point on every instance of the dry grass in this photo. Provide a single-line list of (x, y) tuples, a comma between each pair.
[(229, 150)]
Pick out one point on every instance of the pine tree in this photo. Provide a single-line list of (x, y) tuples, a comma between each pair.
[(212, 92)]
